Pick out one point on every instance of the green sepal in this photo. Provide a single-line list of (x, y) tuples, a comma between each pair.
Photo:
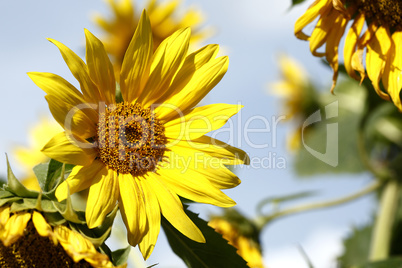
[(29, 203), (216, 252), (5, 194), (67, 211), (54, 219), (4, 201), (297, 2), (395, 262), (120, 256), (15, 186)]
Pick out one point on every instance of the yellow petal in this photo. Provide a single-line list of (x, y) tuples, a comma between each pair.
[(132, 207), (331, 48), (100, 68), (4, 215), (192, 63), (74, 120), (200, 121), (376, 57), (357, 57), (70, 150), (102, 198), (172, 209), (41, 226), (135, 67), (147, 244), (80, 72), (351, 43), (321, 31), (15, 227), (56, 86), (392, 78), (202, 81), (317, 8), (80, 178), (165, 63)]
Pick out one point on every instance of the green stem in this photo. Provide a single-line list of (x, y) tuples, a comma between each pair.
[(263, 220), (382, 233)]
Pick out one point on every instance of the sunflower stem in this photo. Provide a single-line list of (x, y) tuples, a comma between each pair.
[(262, 221), (382, 233)]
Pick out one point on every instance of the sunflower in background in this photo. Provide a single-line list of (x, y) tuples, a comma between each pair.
[(131, 152), (165, 21), (31, 155), (300, 96), (240, 233), (380, 39)]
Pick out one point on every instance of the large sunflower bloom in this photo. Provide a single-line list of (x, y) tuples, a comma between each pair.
[(165, 21), (24, 234), (135, 152), (381, 40)]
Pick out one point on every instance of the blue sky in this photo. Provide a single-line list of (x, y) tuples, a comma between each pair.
[(252, 33)]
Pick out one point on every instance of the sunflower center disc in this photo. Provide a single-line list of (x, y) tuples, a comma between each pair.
[(385, 12), (130, 139)]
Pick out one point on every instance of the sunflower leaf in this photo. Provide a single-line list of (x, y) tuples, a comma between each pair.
[(216, 252), (395, 262)]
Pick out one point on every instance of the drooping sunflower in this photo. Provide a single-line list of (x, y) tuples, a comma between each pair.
[(380, 40), (150, 148), (27, 240), (165, 21)]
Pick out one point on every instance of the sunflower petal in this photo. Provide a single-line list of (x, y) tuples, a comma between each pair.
[(71, 118), (317, 8), (166, 61), (15, 227), (132, 207), (200, 121), (392, 78), (172, 209), (80, 178), (351, 43), (100, 68), (80, 72), (41, 226), (102, 197), (376, 57), (147, 244), (202, 81), (136, 61), (69, 149)]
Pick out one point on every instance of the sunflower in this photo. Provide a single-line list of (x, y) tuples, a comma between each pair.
[(31, 155), (300, 98), (150, 148), (165, 21), (380, 40), (25, 233), (247, 248)]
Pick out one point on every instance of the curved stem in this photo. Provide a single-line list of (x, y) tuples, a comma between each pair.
[(382, 232), (263, 220)]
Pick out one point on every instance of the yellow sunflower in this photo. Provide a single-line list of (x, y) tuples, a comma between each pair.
[(380, 40), (247, 248), (150, 148), (298, 93), (27, 240), (31, 155), (165, 21)]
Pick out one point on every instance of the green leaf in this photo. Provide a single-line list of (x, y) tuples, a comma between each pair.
[(41, 171), (297, 2), (356, 248), (120, 256), (390, 263), (216, 252)]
